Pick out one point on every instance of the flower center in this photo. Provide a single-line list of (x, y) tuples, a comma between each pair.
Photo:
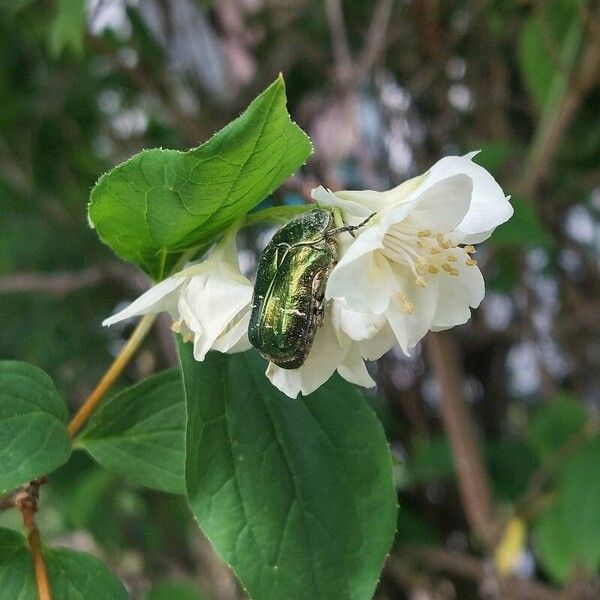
[(424, 251)]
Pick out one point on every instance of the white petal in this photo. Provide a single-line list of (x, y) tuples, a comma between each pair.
[(324, 358), (348, 206), (489, 205), (235, 337), (216, 298), (355, 325), (442, 206), (362, 277), (353, 368), (158, 298), (375, 347), (410, 327), (456, 295)]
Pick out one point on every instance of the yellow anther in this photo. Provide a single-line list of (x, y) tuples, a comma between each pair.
[(176, 326), (420, 281), (451, 258), (433, 270), (471, 262), (470, 249), (446, 244), (424, 233), (448, 268), (434, 251), (407, 308), (455, 272), (420, 244), (440, 238)]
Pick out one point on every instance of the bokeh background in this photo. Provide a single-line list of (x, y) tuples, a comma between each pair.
[(493, 426)]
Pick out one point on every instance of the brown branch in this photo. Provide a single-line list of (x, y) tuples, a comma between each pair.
[(557, 118), (111, 375), (339, 39), (376, 40), (27, 502), (470, 567), (58, 284), (473, 481)]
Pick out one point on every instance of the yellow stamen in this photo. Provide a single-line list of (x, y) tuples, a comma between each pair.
[(471, 262), (423, 233), (470, 249), (433, 270), (454, 272), (407, 307), (447, 267), (434, 251), (452, 258)]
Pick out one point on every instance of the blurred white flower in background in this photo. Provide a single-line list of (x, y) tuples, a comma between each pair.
[(412, 263), (209, 301)]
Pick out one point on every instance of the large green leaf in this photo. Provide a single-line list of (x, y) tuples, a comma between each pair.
[(72, 576), (161, 202), (175, 591), (33, 433), (68, 27), (141, 433), (579, 490), (297, 495), (555, 424), (10, 543), (547, 44), (554, 544)]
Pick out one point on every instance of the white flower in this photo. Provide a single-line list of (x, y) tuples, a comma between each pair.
[(333, 349), (210, 301), (411, 264)]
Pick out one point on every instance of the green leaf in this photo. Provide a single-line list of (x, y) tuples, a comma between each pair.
[(33, 434), (579, 490), (431, 459), (10, 543), (175, 591), (297, 495), (511, 464), (72, 576), (494, 154), (546, 44), (554, 545), (523, 229), (412, 528), (162, 202), (140, 433), (555, 424), (68, 27)]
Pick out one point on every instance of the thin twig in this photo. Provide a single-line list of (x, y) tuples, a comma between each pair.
[(27, 502), (112, 374), (473, 480)]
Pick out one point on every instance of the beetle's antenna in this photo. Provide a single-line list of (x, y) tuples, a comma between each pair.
[(350, 228)]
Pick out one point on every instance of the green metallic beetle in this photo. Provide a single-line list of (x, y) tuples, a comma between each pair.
[(288, 303)]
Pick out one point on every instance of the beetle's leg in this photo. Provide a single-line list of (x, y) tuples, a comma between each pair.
[(350, 228)]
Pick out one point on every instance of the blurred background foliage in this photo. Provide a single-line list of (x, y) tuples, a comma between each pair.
[(494, 428)]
